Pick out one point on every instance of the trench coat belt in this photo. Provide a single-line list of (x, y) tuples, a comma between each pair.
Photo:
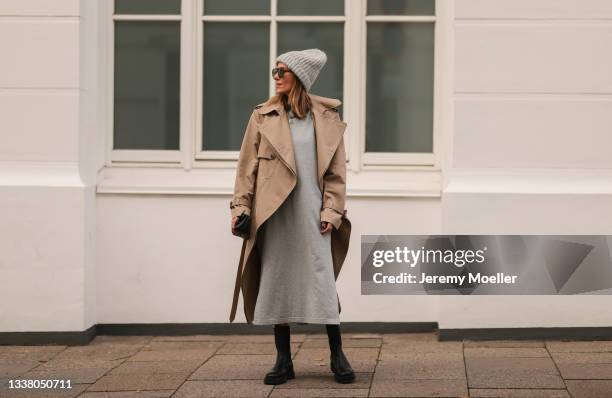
[(237, 286)]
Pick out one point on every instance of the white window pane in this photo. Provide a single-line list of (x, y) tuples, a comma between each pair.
[(146, 85), (236, 76), (328, 37), (237, 7), (399, 87), (147, 6), (311, 7), (401, 7)]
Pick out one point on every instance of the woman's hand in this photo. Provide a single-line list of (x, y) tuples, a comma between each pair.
[(233, 224), (325, 227)]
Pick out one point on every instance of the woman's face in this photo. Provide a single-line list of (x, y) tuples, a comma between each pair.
[(284, 84)]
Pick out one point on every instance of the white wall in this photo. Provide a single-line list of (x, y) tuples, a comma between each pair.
[(532, 142), (47, 166), (173, 259)]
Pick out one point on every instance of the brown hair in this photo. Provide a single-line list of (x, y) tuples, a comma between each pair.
[(297, 99)]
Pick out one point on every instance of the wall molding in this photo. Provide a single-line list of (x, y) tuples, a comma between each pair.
[(530, 181)]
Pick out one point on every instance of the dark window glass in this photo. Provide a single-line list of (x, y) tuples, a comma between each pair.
[(401, 7), (237, 7), (236, 78), (147, 6), (146, 85), (400, 82), (311, 7)]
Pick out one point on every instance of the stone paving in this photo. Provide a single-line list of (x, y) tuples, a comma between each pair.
[(386, 365)]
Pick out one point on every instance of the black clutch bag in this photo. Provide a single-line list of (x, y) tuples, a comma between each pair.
[(243, 226)]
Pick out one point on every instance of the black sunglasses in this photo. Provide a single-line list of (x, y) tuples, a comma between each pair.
[(280, 71)]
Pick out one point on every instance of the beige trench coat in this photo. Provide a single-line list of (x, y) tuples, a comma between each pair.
[(266, 175)]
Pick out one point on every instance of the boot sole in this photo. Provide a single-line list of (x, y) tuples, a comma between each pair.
[(344, 379), (275, 380)]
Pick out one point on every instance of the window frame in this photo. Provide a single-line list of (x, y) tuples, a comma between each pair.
[(123, 156), (368, 173), (273, 19), (396, 158)]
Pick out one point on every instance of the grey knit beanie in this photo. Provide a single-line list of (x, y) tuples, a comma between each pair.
[(306, 64)]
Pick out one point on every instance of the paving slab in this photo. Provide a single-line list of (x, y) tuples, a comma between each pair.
[(195, 337), (14, 368), (362, 335), (107, 352), (518, 393), (77, 370), (253, 348), (580, 365), (419, 388), (505, 343), (117, 340), (79, 363), (322, 366), (581, 357), (320, 392), (408, 346), (222, 388), (162, 381), (128, 394), (499, 372), (74, 391), (29, 352), (235, 367), (586, 371), (363, 353), (408, 337), (506, 352), (85, 375), (578, 346), (421, 366), (182, 345), (589, 388), (138, 367), (173, 355), (315, 380)]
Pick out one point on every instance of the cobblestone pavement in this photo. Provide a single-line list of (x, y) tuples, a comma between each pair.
[(386, 365)]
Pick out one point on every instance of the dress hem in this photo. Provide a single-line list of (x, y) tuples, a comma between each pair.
[(300, 320)]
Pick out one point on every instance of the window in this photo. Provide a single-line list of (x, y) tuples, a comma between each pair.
[(186, 74), (399, 81), (240, 40)]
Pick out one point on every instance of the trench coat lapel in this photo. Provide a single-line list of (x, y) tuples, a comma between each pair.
[(328, 132), (277, 131)]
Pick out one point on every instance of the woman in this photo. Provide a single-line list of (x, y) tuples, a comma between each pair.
[(291, 174)]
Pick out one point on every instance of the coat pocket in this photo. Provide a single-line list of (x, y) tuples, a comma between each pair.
[(267, 161)]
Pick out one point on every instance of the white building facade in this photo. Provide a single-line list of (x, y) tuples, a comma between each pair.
[(121, 123)]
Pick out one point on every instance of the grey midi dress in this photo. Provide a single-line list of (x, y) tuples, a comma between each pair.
[(297, 282)]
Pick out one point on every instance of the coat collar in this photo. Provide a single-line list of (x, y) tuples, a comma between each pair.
[(320, 104), (329, 130)]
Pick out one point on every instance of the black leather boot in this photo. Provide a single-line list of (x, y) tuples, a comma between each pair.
[(339, 364), (283, 368)]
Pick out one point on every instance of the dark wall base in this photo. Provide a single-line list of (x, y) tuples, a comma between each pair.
[(174, 329), (573, 333), (244, 328), (182, 329), (57, 338)]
